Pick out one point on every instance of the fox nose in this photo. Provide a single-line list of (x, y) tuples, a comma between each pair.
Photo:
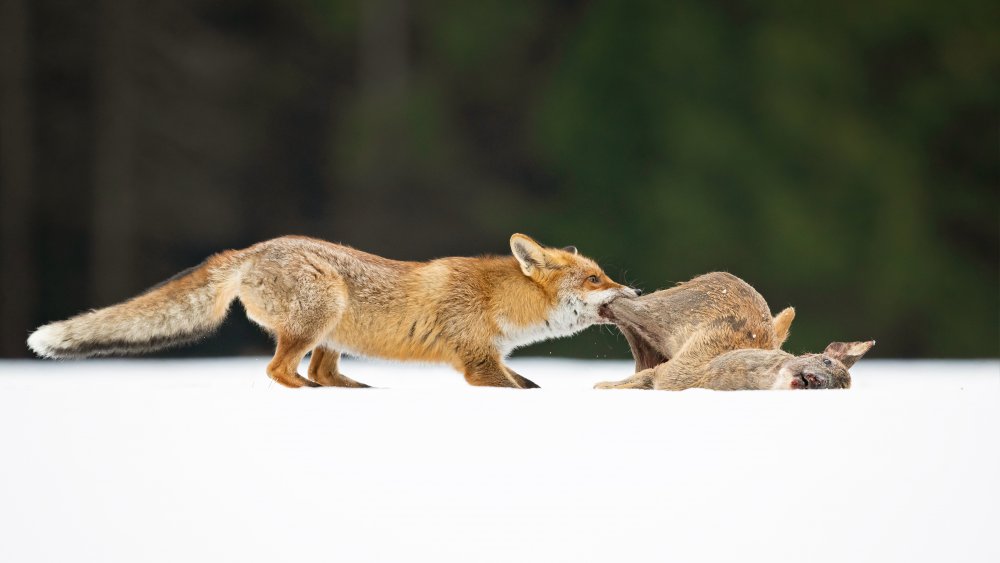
[(637, 291)]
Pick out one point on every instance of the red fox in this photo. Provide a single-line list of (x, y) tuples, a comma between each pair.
[(328, 298), (717, 332)]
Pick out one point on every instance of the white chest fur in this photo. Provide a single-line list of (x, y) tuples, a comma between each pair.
[(569, 317)]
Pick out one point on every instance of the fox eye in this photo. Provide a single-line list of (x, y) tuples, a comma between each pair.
[(594, 279), (827, 362)]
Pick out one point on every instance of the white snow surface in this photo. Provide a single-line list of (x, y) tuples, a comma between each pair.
[(207, 460)]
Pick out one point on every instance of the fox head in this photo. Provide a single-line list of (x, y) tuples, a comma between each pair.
[(822, 371), (576, 282)]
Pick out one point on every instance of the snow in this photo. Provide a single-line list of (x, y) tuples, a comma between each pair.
[(207, 460)]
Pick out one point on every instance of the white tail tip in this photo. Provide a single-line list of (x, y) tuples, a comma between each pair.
[(44, 341)]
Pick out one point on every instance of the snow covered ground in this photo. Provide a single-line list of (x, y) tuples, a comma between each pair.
[(207, 460)]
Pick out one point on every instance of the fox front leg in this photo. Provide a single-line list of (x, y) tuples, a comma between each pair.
[(522, 382), (641, 380), (487, 371)]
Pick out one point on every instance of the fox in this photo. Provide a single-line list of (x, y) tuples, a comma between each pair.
[(716, 332), (331, 299)]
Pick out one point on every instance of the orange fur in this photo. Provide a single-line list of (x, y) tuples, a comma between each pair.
[(315, 295)]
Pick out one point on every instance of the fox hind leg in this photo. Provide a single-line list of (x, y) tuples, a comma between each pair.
[(298, 297), (287, 356), (324, 369)]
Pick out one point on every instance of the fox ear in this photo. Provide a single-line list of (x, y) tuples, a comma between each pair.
[(848, 352), (529, 253), (782, 324), (571, 249)]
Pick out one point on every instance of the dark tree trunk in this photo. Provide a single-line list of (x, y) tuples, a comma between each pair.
[(18, 285), (375, 171), (112, 266), (384, 47)]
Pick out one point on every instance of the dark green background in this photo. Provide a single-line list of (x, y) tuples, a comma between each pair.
[(840, 156)]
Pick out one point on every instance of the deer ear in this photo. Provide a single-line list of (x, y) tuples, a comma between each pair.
[(848, 352), (783, 324), (529, 253), (571, 249)]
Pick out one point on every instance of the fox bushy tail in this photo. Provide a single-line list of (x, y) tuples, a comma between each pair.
[(185, 308)]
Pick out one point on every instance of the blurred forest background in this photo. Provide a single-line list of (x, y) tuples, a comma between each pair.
[(840, 156)]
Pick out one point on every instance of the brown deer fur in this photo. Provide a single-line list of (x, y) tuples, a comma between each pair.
[(716, 332)]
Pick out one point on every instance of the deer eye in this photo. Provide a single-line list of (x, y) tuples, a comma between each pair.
[(827, 362), (594, 280)]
